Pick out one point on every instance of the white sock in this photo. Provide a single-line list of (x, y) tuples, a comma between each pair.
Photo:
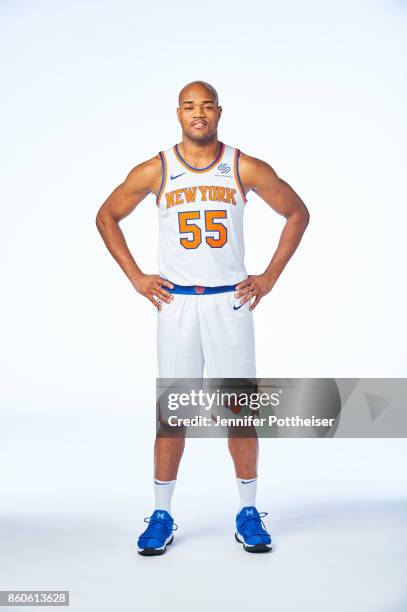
[(247, 491), (163, 490)]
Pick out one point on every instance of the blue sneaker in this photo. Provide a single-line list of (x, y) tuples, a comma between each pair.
[(154, 540), (250, 530)]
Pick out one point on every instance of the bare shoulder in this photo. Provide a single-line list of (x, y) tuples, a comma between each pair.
[(254, 171), (259, 176), (146, 176)]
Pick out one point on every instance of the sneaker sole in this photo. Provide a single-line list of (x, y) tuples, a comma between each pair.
[(257, 548), (152, 552)]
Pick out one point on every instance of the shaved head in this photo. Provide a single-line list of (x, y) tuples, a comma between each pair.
[(212, 91), (199, 112)]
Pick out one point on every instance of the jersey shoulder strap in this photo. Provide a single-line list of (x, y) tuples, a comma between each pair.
[(229, 165)]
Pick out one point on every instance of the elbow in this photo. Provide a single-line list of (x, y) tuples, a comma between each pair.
[(99, 221), (301, 217), (102, 219), (306, 216)]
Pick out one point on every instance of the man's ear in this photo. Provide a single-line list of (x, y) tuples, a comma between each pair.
[(179, 114), (220, 111)]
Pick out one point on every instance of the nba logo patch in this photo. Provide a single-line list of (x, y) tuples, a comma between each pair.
[(199, 289)]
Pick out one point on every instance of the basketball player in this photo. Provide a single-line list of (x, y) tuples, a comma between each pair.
[(203, 294)]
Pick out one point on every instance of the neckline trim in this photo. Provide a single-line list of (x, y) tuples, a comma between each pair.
[(189, 167)]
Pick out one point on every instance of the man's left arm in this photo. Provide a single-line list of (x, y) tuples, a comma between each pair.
[(260, 177)]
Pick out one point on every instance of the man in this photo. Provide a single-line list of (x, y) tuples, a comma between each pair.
[(203, 294)]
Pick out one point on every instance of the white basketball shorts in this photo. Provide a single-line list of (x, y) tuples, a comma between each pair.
[(213, 331)]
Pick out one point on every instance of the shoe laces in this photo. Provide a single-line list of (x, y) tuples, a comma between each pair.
[(254, 522), (160, 525)]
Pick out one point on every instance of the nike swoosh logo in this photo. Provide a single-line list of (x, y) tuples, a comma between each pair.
[(237, 307), (174, 177), (247, 481)]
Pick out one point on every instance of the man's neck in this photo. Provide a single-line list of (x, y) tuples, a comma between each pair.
[(199, 154)]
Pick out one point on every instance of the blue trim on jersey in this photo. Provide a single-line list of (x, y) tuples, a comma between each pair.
[(162, 177), (237, 172), (199, 289), (207, 167)]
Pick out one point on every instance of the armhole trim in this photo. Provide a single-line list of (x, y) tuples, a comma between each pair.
[(163, 177), (237, 175)]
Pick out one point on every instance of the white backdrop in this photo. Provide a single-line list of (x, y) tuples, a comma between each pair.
[(318, 90)]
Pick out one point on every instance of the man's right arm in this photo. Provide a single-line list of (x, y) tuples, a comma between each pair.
[(141, 180)]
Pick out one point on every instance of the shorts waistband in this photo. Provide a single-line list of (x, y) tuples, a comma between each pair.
[(199, 289)]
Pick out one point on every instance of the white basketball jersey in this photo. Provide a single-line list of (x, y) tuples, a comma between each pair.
[(201, 220)]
